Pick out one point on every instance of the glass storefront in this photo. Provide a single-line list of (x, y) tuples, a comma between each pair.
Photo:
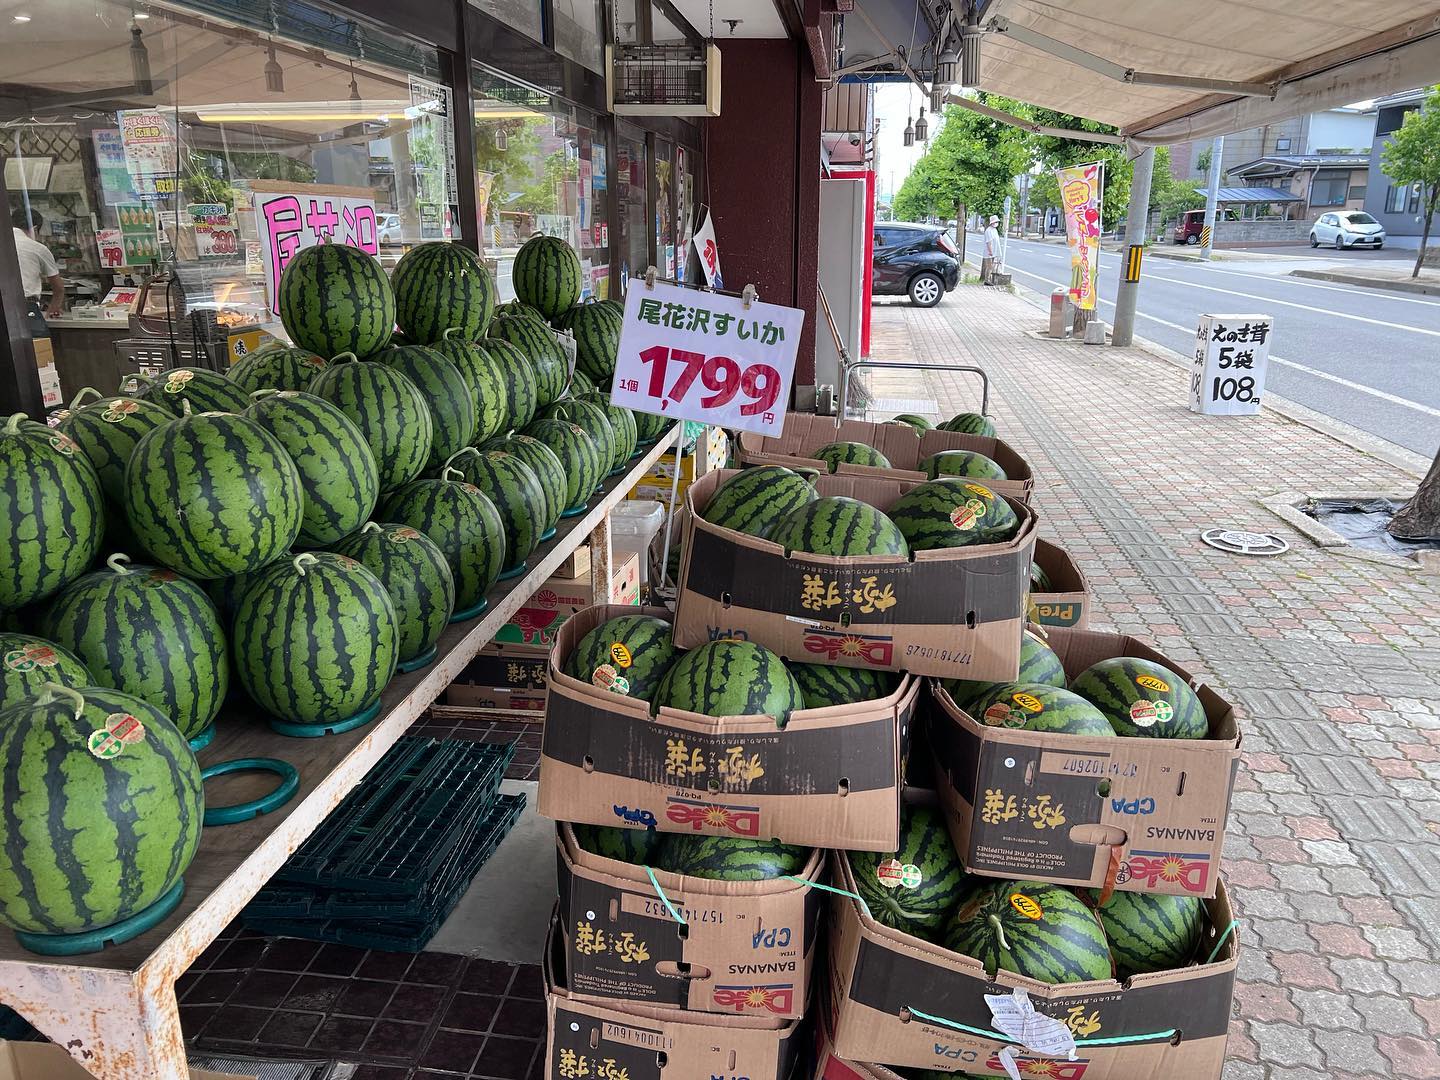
[(630, 201), (664, 181)]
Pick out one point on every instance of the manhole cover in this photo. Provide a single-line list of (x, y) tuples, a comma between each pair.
[(1240, 542)]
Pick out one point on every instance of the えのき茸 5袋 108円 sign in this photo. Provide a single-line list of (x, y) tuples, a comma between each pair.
[(702, 356), (1227, 375)]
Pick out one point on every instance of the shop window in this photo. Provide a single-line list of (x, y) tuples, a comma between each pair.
[(664, 209), (686, 211), (522, 15), (577, 32), (1329, 189), (1395, 198), (1414, 204), (1282, 146), (630, 199)]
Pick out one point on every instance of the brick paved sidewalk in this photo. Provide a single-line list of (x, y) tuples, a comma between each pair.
[(1334, 849)]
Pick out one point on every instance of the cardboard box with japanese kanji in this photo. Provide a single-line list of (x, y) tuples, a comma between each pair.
[(46, 1061), (902, 445), (502, 676), (1076, 809), (745, 948), (1067, 601), (540, 618), (956, 613), (829, 778), (905, 1002)]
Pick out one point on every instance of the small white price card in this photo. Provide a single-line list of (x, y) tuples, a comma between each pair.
[(702, 356)]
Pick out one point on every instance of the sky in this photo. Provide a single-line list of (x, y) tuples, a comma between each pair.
[(895, 159)]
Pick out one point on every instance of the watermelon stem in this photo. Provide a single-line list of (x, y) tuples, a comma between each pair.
[(50, 691), (447, 468), (256, 395), (300, 562), (344, 358), (13, 424), (999, 932), (80, 395), (370, 526), (117, 562)]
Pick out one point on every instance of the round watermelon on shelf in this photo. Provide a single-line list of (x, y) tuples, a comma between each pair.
[(731, 678), (824, 685), (596, 423), (446, 393), (225, 592), (963, 463), (596, 327), (521, 385), (1150, 931), (335, 299), (276, 368), (514, 489), (581, 385), (622, 423), (464, 524), (627, 655), (1143, 699), (389, 410), (649, 427), (914, 887), (417, 577), (836, 525), (731, 858), (579, 455), (27, 663), (485, 379), (919, 423), (515, 307), (103, 809), (1044, 932), (951, 513), (836, 454), (544, 465), (539, 344), (969, 423), (1039, 707), (107, 430), (637, 846), (441, 286), (201, 389), (547, 275), (754, 500)]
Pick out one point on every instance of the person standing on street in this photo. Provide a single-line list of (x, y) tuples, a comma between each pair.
[(990, 255), (37, 268)]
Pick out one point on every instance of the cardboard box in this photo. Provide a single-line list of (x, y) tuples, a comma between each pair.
[(1161, 816), (576, 564), (586, 1038), (881, 980), (551, 604), (1068, 601), (830, 778), (46, 1061), (955, 613), (901, 444), (746, 947), (510, 677)]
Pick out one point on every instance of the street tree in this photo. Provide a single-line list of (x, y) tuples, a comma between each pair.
[(974, 160), (1052, 152), (1412, 156)]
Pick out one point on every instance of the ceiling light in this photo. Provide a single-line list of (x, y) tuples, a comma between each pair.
[(274, 73), (140, 64), (937, 98), (502, 140), (945, 66), (20, 18), (354, 86), (909, 135), (922, 128), (142, 15)]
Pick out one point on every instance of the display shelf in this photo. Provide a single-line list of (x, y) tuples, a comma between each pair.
[(115, 1010)]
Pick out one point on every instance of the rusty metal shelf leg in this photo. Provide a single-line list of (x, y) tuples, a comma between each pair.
[(601, 556)]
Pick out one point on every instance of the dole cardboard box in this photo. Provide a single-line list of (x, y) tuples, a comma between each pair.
[(502, 676), (902, 445), (829, 778), (955, 613), (1075, 809), (540, 619), (745, 947), (905, 1002), (1067, 602)]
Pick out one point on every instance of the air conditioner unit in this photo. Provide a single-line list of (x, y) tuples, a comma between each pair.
[(663, 80)]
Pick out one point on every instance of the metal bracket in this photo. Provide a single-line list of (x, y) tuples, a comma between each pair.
[(748, 296), (846, 369)]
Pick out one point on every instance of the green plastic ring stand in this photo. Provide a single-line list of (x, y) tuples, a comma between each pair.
[(617, 470), (283, 793), (204, 739), (548, 534), (575, 511), (644, 443), (314, 731), (513, 572), (419, 660), (470, 612), (92, 941)]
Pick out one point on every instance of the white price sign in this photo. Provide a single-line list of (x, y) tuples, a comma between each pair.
[(701, 356), (1227, 376)]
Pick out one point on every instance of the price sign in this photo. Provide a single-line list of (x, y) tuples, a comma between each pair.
[(1232, 353), (702, 356)]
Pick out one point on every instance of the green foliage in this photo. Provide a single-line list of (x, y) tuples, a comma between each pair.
[(1170, 197), (1412, 156), (1053, 152), (973, 160)]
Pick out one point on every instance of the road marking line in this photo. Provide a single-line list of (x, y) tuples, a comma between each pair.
[(1302, 307), (1309, 284)]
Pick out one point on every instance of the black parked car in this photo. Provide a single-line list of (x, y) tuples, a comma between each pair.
[(915, 260)]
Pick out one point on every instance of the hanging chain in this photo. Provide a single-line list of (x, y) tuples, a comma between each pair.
[(712, 20)]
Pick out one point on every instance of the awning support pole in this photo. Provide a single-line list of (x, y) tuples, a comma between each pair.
[(1212, 197), (1136, 220)]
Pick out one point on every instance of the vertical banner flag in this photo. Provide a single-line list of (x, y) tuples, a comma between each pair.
[(1080, 194), (704, 241)]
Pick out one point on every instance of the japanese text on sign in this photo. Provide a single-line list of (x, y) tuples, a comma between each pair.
[(820, 594), (574, 1066), (1227, 377), (702, 356), (590, 940), (1042, 811), (735, 769), (289, 221)]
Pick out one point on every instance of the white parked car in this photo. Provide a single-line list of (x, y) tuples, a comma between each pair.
[(1347, 229)]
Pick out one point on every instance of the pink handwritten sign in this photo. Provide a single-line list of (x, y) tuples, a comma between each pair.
[(290, 221)]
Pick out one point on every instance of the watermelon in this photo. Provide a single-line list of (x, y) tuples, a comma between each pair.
[(446, 393), (1039, 707), (225, 592), (1142, 698), (836, 454), (107, 430), (515, 307), (1044, 932), (638, 846), (597, 338), (276, 368), (626, 655), (731, 858), (754, 500), (389, 411), (202, 389), (1038, 664), (213, 494), (485, 379), (914, 887), (547, 275), (337, 469), (594, 420), (581, 386), (1149, 931), (951, 513), (835, 525), (545, 467), (441, 286), (919, 423), (969, 423), (27, 663), (964, 463), (578, 454), (538, 343), (335, 299), (521, 386), (1039, 580), (515, 490), (416, 576), (649, 427), (731, 678), (622, 423), (822, 685), (102, 809), (463, 523)]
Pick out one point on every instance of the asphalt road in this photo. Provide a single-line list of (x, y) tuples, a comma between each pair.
[(1367, 357)]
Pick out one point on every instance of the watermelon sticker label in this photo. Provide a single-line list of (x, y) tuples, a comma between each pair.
[(346, 562), (620, 654), (31, 657), (982, 491), (118, 410), (1029, 702), (1025, 906), (893, 874), (1149, 713), (607, 678), (63, 443), (1002, 714), (403, 535), (1150, 682), (157, 578), (176, 380), (965, 517), (120, 730)]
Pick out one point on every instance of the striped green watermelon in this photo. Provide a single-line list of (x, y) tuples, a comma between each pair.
[(914, 887), (463, 523), (539, 345), (951, 513), (1148, 931), (1039, 707), (200, 388), (442, 286), (579, 455), (389, 411), (27, 663), (823, 685), (754, 500), (731, 858), (597, 337), (1142, 698), (650, 426), (415, 574), (335, 299), (919, 423), (581, 385), (835, 525), (149, 632), (512, 486), (337, 469), (446, 394), (276, 368), (638, 846), (485, 379), (547, 275), (521, 386), (107, 430), (1039, 580), (969, 423), (331, 663), (836, 454), (964, 463), (515, 307), (225, 592), (731, 678), (545, 466), (102, 810), (1038, 664), (1044, 932), (622, 423), (626, 655), (595, 421), (213, 494)]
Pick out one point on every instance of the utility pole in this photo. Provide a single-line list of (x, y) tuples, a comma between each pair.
[(1137, 218), (1212, 198)]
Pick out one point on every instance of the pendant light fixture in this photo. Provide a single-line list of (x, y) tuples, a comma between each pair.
[(945, 66), (937, 99), (922, 127), (502, 140), (354, 86), (909, 123), (274, 73), (140, 63)]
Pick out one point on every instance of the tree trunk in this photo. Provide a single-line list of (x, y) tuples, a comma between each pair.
[(1425, 236), (1419, 519)]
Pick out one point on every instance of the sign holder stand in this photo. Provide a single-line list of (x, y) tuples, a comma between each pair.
[(747, 295)]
